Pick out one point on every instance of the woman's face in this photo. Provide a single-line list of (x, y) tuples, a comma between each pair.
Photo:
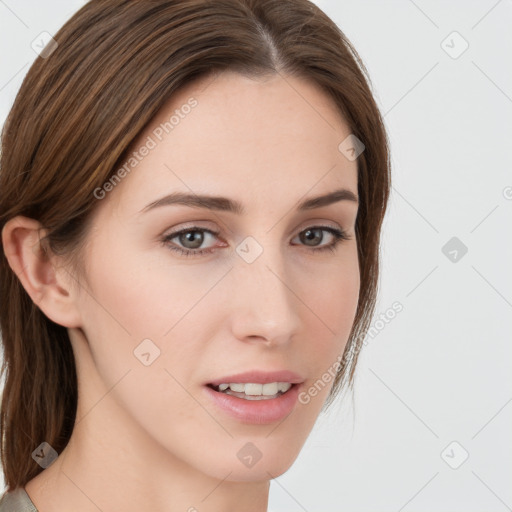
[(254, 284)]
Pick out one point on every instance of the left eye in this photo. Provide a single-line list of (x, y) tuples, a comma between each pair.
[(194, 238)]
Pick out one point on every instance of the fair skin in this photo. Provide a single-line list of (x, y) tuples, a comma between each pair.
[(149, 437)]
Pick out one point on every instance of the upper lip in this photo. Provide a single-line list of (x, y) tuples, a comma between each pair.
[(260, 377)]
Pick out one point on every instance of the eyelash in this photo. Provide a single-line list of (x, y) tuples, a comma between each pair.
[(338, 234)]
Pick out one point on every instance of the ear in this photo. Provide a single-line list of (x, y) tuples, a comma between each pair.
[(49, 286)]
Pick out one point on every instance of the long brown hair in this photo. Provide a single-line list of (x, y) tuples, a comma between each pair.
[(78, 110)]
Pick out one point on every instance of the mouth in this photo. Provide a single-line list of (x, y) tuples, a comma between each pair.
[(253, 390), (254, 403)]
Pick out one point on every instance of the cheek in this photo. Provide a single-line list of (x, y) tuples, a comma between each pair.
[(134, 297), (333, 303), (332, 295), (147, 293)]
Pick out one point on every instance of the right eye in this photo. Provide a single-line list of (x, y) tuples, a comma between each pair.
[(194, 236)]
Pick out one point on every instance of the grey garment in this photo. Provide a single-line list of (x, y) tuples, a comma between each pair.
[(16, 501)]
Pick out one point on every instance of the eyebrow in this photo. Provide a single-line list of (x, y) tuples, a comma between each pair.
[(229, 205)]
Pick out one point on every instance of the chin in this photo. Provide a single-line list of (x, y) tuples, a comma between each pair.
[(259, 472), (257, 460)]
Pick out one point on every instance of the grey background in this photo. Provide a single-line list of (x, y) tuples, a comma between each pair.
[(434, 384)]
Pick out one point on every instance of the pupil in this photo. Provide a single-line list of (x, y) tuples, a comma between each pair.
[(191, 237), (312, 234)]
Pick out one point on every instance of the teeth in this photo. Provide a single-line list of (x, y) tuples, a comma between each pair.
[(254, 389), (270, 389), (283, 386)]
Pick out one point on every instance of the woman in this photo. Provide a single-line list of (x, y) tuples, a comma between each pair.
[(191, 199)]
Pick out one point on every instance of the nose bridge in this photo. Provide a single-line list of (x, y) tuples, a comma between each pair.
[(264, 302)]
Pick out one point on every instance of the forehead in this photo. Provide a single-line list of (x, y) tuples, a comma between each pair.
[(234, 108), (251, 137)]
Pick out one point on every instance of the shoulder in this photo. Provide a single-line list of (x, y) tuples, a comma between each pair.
[(16, 501)]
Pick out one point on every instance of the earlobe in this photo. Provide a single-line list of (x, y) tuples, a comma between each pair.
[(48, 287)]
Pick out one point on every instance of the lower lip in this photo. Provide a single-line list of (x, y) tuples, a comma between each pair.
[(256, 411)]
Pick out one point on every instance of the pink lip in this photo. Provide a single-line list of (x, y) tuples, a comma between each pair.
[(259, 377), (256, 411)]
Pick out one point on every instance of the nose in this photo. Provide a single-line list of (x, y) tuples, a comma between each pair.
[(264, 307)]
